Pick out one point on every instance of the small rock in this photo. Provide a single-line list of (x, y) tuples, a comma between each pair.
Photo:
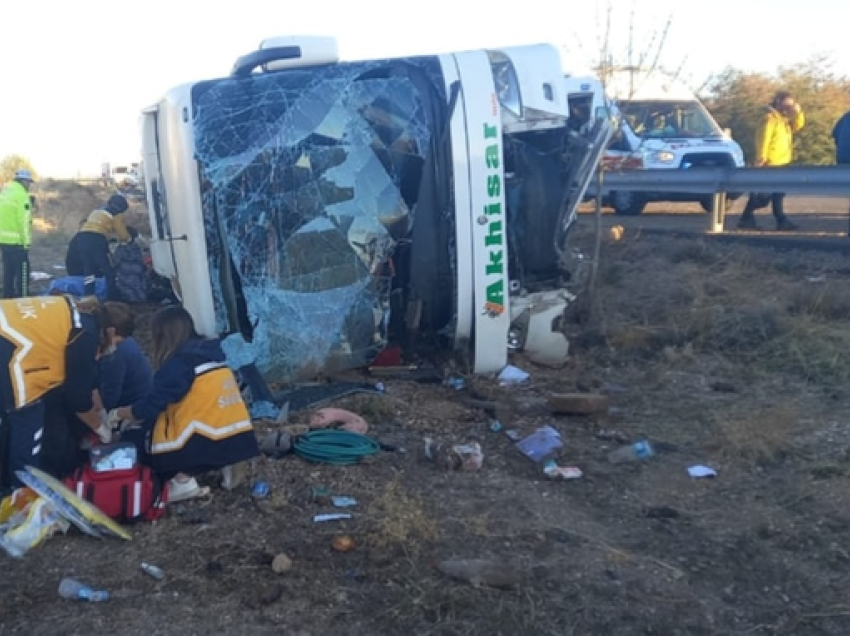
[(281, 564)]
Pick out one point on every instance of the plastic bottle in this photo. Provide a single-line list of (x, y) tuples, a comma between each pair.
[(638, 451), (76, 591)]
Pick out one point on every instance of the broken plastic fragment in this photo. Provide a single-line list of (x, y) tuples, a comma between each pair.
[(702, 471), (331, 516), (553, 471), (512, 375)]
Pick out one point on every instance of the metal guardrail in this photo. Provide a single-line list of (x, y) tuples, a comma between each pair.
[(717, 181), (811, 180)]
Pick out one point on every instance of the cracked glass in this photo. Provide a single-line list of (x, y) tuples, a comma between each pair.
[(310, 181)]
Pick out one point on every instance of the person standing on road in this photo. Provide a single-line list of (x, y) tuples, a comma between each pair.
[(841, 136), (774, 147), (16, 234)]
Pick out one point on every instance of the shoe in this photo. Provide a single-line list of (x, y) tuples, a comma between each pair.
[(747, 223), (786, 226), (184, 490)]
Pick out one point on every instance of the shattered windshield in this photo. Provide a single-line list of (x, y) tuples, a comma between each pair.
[(669, 119), (310, 180)]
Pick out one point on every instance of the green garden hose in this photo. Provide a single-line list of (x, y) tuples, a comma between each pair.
[(334, 446)]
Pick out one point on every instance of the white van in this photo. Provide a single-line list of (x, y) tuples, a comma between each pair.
[(660, 125)]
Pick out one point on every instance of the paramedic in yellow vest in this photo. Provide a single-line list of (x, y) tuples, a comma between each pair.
[(194, 419), (16, 234), (45, 343), (88, 252), (774, 146)]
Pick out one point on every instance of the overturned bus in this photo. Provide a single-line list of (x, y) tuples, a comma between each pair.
[(312, 211)]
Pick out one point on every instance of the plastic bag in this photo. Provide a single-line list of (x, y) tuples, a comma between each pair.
[(23, 529)]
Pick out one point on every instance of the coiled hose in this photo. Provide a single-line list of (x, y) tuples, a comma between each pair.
[(334, 446)]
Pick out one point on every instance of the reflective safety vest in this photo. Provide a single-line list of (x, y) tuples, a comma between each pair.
[(15, 215), (213, 411), (39, 329)]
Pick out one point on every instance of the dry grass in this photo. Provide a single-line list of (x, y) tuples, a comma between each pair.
[(760, 435), (765, 309), (400, 520)]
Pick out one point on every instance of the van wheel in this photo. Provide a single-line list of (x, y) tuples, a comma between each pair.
[(627, 203)]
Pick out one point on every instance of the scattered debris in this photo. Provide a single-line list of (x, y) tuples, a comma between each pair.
[(611, 435), (332, 516), (578, 403), (294, 430), (615, 233), (701, 471), (276, 444), (346, 420), (455, 382), (512, 375), (260, 490), (281, 564), (638, 451), (479, 572), (553, 471), (495, 426), (541, 445), (343, 543), (513, 434), (153, 571), (343, 502), (26, 520), (305, 396), (76, 591), (467, 457)]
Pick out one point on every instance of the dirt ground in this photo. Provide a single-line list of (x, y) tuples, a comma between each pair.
[(732, 356)]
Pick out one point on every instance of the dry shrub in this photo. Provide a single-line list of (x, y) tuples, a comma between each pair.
[(399, 520), (827, 301), (695, 252), (732, 329), (810, 349), (640, 339), (760, 435)]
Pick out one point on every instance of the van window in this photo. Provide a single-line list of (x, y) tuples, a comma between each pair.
[(669, 119)]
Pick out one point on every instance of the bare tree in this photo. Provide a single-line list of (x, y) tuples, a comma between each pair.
[(639, 59)]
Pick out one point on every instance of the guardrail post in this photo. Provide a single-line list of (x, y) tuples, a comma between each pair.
[(718, 213)]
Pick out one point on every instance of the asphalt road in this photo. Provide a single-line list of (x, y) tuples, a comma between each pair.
[(823, 223)]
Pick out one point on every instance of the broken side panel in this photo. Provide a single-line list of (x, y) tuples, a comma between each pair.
[(311, 184)]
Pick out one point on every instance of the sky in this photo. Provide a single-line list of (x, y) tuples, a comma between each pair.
[(76, 74)]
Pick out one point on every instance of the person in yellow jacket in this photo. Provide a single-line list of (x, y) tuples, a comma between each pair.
[(46, 343), (88, 252), (16, 234), (774, 146), (194, 418)]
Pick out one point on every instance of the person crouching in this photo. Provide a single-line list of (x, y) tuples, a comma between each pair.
[(194, 419)]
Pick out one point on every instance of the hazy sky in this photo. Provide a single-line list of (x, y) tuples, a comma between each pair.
[(76, 73)]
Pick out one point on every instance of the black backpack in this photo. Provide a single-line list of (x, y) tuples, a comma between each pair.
[(131, 273)]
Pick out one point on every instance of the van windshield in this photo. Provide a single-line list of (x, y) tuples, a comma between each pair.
[(669, 119)]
